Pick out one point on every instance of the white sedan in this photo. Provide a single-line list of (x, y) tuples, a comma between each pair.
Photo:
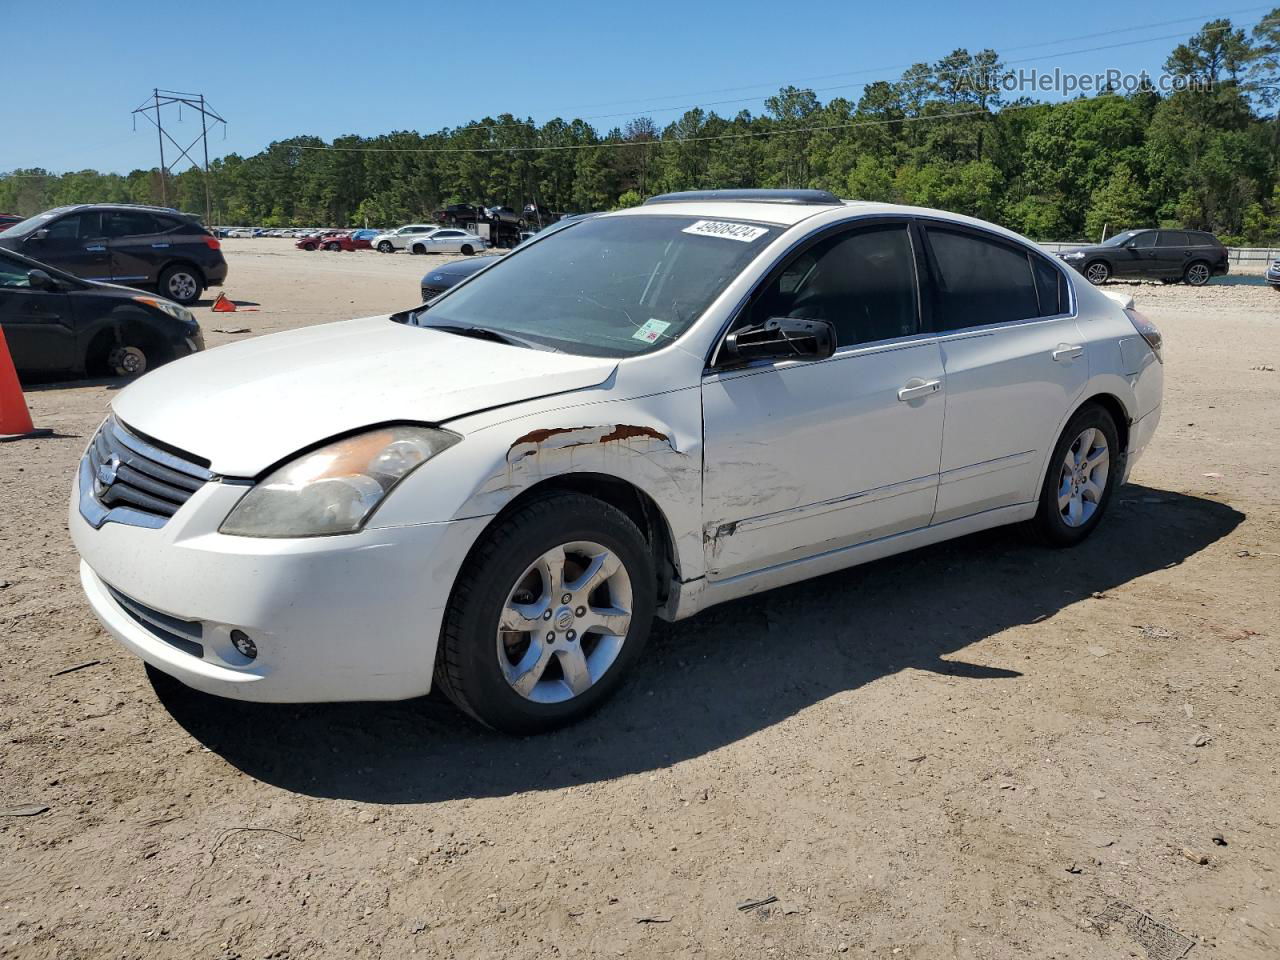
[(447, 240), (399, 239), (645, 413)]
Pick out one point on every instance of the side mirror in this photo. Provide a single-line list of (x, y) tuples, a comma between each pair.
[(780, 338), (39, 280), (38, 235)]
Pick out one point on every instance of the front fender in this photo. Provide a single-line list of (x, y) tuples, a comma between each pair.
[(653, 443)]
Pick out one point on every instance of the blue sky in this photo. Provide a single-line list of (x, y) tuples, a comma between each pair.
[(276, 69)]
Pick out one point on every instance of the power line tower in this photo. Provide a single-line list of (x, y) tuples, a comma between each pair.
[(152, 107)]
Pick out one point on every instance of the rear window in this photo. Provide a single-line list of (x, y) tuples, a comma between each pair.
[(1174, 238)]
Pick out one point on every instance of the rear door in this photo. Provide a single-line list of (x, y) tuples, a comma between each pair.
[(1173, 253), (1015, 364), (802, 457), (135, 244), (39, 325)]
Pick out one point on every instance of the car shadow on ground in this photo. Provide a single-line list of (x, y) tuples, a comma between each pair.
[(1240, 280), (715, 679)]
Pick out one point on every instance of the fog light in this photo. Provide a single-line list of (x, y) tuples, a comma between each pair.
[(240, 640)]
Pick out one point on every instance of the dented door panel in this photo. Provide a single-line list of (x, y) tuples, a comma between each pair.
[(807, 457)]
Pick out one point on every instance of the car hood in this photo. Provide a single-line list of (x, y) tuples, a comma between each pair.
[(248, 405)]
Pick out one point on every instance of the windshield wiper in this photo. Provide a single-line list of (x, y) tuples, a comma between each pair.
[(487, 333)]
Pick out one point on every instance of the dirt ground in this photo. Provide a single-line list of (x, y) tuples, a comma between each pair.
[(984, 749)]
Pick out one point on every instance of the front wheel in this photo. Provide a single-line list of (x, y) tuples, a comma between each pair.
[(467, 250), (181, 284), (332, 247), (551, 609), (1197, 274), (1097, 273), (386, 247), (1083, 472)]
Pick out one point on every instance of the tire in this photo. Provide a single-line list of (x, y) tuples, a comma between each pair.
[(417, 251), (181, 284), (479, 667), (386, 247), (1098, 272), (1056, 521), (333, 247), (467, 250), (1197, 274)]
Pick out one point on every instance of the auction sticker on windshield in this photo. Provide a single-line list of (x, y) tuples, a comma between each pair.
[(728, 231), (650, 331)]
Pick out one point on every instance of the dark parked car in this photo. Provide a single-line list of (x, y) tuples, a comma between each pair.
[(441, 279), (1273, 275), (459, 213), (57, 324), (124, 243), (1169, 255)]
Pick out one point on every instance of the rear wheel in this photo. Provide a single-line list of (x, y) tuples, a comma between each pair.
[(1097, 272), (333, 246), (386, 247), (181, 284), (551, 609), (1083, 472), (417, 249), (1197, 274)]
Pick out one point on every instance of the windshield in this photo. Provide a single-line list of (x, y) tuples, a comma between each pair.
[(607, 287), (1120, 239), (29, 224)]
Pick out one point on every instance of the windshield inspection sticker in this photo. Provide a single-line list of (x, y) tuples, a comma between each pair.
[(651, 330), (729, 231)]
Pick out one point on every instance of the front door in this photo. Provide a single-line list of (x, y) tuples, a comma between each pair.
[(39, 327), (74, 243), (804, 457), (135, 245), (1015, 364)]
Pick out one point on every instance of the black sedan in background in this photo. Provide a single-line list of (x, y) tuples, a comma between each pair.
[(440, 279), (1190, 256), (57, 325)]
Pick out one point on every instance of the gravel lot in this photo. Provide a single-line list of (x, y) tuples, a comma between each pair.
[(983, 749)]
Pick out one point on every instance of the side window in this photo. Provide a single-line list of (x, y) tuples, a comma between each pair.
[(166, 224), (1174, 238), (1144, 241), (129, 223), (862, 281), (979, 281), (1050, 287), (13, 273)]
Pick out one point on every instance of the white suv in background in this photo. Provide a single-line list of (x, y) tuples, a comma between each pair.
[(398, 239), (647, 412)]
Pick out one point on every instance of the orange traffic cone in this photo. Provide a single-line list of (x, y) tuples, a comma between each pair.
[(223, 304), (15, 419)]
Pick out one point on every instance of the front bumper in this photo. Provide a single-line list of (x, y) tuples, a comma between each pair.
[(353, 617)]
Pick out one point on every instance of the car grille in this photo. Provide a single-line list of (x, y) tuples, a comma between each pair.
[(429, 292), (135, 480), (184, 635)]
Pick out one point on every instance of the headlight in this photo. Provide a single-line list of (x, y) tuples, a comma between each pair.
[(334, 489), (164, 306), (1073, 255)]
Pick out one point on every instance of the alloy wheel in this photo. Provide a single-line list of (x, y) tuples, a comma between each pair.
[(1083, 480), (183, 287), (1097, 273), (564, 622), (1198, 274)]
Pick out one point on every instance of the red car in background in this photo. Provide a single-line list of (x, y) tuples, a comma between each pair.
[(338, 240), (9, 219)]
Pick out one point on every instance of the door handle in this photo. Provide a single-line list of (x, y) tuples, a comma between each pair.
[(95, 248), (159, 246), (917, 388), (1068, 351)]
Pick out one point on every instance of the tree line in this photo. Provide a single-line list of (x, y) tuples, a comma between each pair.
[(1205, 155)]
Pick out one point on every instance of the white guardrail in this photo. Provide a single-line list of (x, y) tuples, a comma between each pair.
[(1235, 254)]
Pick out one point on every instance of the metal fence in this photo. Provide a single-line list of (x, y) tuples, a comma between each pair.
[(1259, 255)]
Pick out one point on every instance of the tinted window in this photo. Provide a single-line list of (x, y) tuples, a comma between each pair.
[(73, 228), (13, 273), (979, 281), (1173, 238), (1050, 287), (862, 282), (165, 224), (1143, 240), (129, 223)]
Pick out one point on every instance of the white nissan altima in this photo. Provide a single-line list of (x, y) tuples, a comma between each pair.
[(646, 413)]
